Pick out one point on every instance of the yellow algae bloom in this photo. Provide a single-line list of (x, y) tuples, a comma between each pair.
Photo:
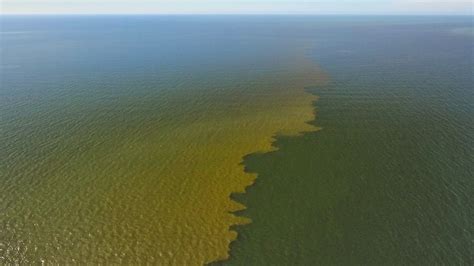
[(151, 186), (207, 169)]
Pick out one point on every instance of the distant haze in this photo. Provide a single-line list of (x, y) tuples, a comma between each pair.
[(359, 7)]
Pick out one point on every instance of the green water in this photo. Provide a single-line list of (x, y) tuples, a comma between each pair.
[(389, 178)]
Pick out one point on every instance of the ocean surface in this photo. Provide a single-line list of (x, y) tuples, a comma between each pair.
[(132, 139)]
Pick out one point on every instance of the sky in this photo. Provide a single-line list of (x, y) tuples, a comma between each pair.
[(360, 7)]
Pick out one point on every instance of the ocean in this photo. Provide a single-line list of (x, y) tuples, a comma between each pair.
[(261, 140)]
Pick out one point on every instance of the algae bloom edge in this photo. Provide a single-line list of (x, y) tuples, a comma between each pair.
[(304, 113)]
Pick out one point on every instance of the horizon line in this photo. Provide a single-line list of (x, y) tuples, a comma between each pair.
[(236, 14)]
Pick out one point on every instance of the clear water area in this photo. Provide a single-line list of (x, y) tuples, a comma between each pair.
[(122, 137), (390, 177)]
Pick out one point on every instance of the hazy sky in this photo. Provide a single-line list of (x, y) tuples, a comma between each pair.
[(452, 7)]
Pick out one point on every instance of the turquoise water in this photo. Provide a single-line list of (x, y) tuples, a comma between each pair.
[(123, 137)]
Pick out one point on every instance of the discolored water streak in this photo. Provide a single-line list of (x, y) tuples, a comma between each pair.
[(122, 137), (389, 177)]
